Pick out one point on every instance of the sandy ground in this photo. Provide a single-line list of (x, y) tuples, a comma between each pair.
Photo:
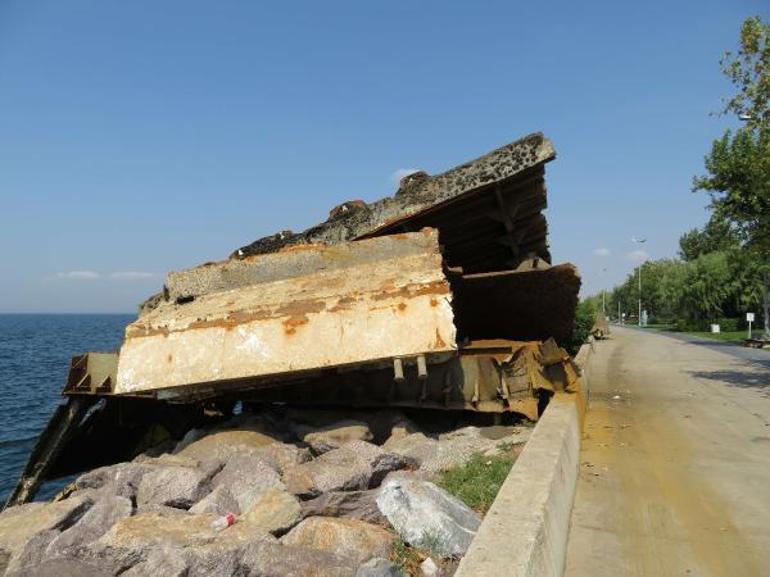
[(675, 464)]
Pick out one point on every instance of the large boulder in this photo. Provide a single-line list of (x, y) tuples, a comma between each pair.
[(246, 476), (221, 445), (427, 516), (121, 479), (333, 436), (283, 456), (349, 504), (274, 511), (351, 538), (107, 511), (21, 523), (356, 465), (219, 502), (450, 450), (179, 486), (275, 560)]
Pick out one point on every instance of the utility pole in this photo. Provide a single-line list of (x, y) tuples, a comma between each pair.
[(639, 274)]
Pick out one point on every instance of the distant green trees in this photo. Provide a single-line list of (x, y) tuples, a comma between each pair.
[(723, 269)]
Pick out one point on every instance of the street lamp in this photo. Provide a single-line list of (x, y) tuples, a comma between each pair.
[(639, 276)]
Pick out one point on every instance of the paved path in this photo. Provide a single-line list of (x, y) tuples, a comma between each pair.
[(675, 464)]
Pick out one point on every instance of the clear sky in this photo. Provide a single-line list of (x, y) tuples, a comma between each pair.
[(144, 136)]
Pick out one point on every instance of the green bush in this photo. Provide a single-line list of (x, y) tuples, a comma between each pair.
[(585, 316), (477, 482)]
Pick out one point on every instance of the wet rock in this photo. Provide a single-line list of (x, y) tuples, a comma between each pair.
[(275, 560), (174, 486), (219, 502), (333, 436), (427, 516), (356, 465), (379, 567), (121, 479), (246, 476), (351, 538), (19, 524), (274, 511), (221, 445), (349, 504)]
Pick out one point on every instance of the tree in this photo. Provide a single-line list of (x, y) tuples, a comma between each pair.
[(738, 166), (718, 234)]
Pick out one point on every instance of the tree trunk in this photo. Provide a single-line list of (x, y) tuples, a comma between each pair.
[(766, 302)]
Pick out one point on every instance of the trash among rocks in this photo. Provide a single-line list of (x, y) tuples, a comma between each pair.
[(223, 522)]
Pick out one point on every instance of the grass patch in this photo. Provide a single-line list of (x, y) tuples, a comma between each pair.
[(727, 336), (405, 557), (477, 482)]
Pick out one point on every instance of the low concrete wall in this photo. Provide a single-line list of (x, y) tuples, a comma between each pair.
[(525, 532)]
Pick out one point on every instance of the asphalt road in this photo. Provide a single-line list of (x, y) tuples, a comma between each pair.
[(675, 463)]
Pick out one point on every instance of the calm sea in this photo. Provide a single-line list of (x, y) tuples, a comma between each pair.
[(35, 351)]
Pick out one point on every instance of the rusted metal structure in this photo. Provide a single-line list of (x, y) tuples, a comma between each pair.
[(441, 297)]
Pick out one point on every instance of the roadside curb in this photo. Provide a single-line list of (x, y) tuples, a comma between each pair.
[(525, 532)]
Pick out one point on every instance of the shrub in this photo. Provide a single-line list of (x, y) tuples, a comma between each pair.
[(477, 482)]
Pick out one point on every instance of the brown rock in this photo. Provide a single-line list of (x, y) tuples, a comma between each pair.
[(333, 436), (350, 504), (275, 510), (221, 445), (351, 538), (275, 560)]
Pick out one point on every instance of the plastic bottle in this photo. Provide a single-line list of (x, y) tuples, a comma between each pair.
[(223, 522)]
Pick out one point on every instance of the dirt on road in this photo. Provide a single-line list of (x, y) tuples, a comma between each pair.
[(675, 464)]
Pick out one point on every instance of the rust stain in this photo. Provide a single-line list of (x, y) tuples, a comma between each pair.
[(343, 304), (290, 325), (440, 343), (401, 306), (433, 302), (411, 291), (169, 358)]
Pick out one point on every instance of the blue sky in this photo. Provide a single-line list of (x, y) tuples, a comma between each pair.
[(139, 137)]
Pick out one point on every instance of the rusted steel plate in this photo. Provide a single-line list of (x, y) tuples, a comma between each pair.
[(399, 306), (533, 304)]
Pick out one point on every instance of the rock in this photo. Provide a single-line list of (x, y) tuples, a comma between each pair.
[(400, 429), (166, 561), (93, 524), (283, 456), (351, 538), (19, 524), (221, 445), (349, 504), (333, 436), (356, 465), (379, 567), (121, 479), (67, 567), (219, 502), (164, 510), (274, 511), (451, 450), (174, 486), (274, 560), (246, 476), (427, 516), (429, 568)]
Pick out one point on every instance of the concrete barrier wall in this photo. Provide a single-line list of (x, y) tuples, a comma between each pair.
[(525, 532)]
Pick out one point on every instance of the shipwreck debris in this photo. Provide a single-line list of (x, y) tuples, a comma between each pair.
[(442, 297)]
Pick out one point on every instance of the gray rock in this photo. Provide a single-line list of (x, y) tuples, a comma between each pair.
[(219, 502), (93, 524), (267, 559), (334, 436), (121, 479), (165, 562), (379, 567), (173, 486), (429, 568), (427, 516), (352, 538), (349, 504), (19, 524), (356, 465), (247, 476)]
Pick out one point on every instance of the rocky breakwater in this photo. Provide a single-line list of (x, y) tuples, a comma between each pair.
[(313, 494)]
